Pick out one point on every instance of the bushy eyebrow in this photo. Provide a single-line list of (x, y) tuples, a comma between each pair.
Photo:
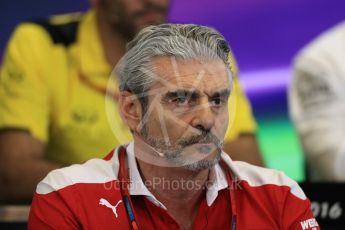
[(194, 94), (224, 93)]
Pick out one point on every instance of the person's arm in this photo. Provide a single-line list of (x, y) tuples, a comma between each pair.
[(22, 165), (317, 109), (24, 113), (55, 209), (244, 148), (296, 210)]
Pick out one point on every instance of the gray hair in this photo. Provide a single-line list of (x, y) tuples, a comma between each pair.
[(182, 41)]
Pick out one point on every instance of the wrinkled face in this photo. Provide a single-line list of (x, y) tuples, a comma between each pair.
[(187, 114), (129, 16)]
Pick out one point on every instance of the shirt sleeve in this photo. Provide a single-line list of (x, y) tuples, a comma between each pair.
[(241, 119), (24, 95), (50, 211), (297, 212), (316, 102)]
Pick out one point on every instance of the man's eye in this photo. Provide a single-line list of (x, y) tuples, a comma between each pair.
[(217, 101), (180, 101)]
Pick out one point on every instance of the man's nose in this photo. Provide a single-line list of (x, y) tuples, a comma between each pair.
[(203, 116)]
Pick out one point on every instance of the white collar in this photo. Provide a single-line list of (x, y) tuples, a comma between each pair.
[(217, 178)]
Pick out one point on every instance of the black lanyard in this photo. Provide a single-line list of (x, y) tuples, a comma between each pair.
[(123, 176)]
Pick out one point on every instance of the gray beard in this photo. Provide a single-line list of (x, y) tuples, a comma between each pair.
[(203, 164), (173, 153)]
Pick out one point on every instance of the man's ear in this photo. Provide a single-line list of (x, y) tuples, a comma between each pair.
[(130, 109)]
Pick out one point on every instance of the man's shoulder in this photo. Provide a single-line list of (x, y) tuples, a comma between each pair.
[(60, 29), (327, 44), (259, 178), (94, 171)]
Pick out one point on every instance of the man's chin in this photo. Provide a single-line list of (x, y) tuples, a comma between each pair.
[(203, 164)]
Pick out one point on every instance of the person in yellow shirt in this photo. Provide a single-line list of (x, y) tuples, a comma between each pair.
[(53, 97)]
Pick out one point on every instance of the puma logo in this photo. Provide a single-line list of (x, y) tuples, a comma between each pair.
[(106, 203)]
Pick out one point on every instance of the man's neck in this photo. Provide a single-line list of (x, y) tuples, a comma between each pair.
[(113, 44), (179, 189)]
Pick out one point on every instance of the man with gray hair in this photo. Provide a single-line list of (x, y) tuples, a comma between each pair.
[(57, 69), (175, 83)]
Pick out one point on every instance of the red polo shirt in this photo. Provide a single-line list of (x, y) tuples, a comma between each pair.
[(87, 196), (217, 216)]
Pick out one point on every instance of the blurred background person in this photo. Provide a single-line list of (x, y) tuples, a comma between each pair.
[(52, 89), (317, 104)]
